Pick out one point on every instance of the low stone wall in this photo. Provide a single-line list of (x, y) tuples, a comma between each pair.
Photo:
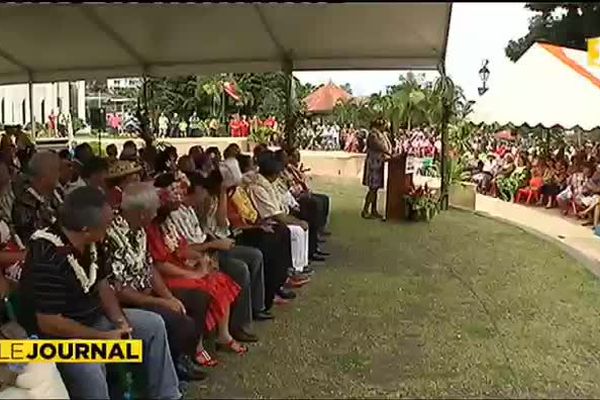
[(181, 144), (321, 163)]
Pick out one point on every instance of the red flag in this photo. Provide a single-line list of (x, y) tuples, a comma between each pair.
[(231, 90)]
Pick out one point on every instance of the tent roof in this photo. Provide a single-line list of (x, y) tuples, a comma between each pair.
[(325, 98), (51, 42), (548, 86)]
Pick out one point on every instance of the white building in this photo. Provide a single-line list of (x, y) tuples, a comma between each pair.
[(123, 83), (47, 98)]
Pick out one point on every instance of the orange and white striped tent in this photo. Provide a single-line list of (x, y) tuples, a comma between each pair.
[(549, 86)]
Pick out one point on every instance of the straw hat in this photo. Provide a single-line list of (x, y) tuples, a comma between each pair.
[(121, 168)]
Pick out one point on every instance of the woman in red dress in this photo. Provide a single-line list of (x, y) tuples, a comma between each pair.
[(184, 268)]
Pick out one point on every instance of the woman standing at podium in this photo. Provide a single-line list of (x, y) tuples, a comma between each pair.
[(379, 149)]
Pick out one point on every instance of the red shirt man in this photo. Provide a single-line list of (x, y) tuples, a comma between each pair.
[(235, 127), (270, 122), (244, 127)]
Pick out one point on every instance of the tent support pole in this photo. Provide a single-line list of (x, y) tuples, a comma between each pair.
[(444, 201), (288, 68), (31, 116), (145, 93)]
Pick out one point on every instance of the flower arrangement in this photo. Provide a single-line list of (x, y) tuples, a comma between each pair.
[(422, 203)]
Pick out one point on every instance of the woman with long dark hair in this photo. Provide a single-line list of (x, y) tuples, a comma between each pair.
[(379, 148)]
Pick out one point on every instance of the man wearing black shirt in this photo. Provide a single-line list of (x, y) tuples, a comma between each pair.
[(65, 294), (36, 206)]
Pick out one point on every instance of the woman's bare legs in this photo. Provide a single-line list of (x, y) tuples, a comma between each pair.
[(224, 336), (367, 205)]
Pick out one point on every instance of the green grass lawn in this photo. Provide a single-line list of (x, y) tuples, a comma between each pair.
[(462, 306)]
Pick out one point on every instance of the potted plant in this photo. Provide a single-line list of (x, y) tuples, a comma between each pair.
[(422, 203), (461, 192)]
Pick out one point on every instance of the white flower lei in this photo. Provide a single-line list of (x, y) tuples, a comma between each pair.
[(86, 282)]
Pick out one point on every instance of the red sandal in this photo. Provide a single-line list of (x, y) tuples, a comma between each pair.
[(232, 346), (205, 360)]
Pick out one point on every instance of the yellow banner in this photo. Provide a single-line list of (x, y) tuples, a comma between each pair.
[(593, 52), (71, 351)]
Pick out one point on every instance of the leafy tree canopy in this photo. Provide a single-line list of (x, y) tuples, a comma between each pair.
[(563, 24)]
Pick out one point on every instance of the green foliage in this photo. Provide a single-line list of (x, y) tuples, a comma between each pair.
[(410, 103), (578, 22), (456, 170), (262, 135)]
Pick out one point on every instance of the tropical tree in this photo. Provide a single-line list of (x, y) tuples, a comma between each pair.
[(571, 28)]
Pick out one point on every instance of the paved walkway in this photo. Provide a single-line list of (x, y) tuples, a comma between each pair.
[(548, 222)]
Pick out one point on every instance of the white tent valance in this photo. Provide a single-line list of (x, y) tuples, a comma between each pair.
[(53, 42), (548, 86)]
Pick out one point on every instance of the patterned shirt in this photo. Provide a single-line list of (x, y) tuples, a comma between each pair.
[(186, 224), (7, 199), (127, 254)]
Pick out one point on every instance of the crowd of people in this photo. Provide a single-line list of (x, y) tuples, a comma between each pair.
[(238, 125), (182, 251), (566, 178)]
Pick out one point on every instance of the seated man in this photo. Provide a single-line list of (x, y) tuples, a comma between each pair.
[(295, 172), (139, 285), (94, 172), (35, 208), (269, 205), (64, 294)]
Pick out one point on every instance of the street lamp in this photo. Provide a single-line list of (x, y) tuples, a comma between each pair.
[(484, 75)]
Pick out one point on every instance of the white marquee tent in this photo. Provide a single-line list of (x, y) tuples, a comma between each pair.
[(548, 86), (50, 42)]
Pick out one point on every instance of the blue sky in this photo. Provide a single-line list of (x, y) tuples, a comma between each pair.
[(477, 31)]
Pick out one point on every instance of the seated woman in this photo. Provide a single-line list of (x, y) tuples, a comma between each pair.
[(182, 268), (550, 187), (509, 184), (574, 187), (206, 205), (484, 177), (503, 170), (590, 197)]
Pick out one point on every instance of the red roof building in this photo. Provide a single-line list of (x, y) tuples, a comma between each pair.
[(325, 98)]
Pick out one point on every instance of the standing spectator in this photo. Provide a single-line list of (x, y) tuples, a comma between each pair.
[(163, 125), (183, 126), (235, 126), (195, 125), (244, 126)]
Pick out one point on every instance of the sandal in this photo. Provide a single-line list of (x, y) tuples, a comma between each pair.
[(205, 360), (232, 346)]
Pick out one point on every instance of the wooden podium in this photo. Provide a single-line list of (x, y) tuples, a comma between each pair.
[(398, 184)]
